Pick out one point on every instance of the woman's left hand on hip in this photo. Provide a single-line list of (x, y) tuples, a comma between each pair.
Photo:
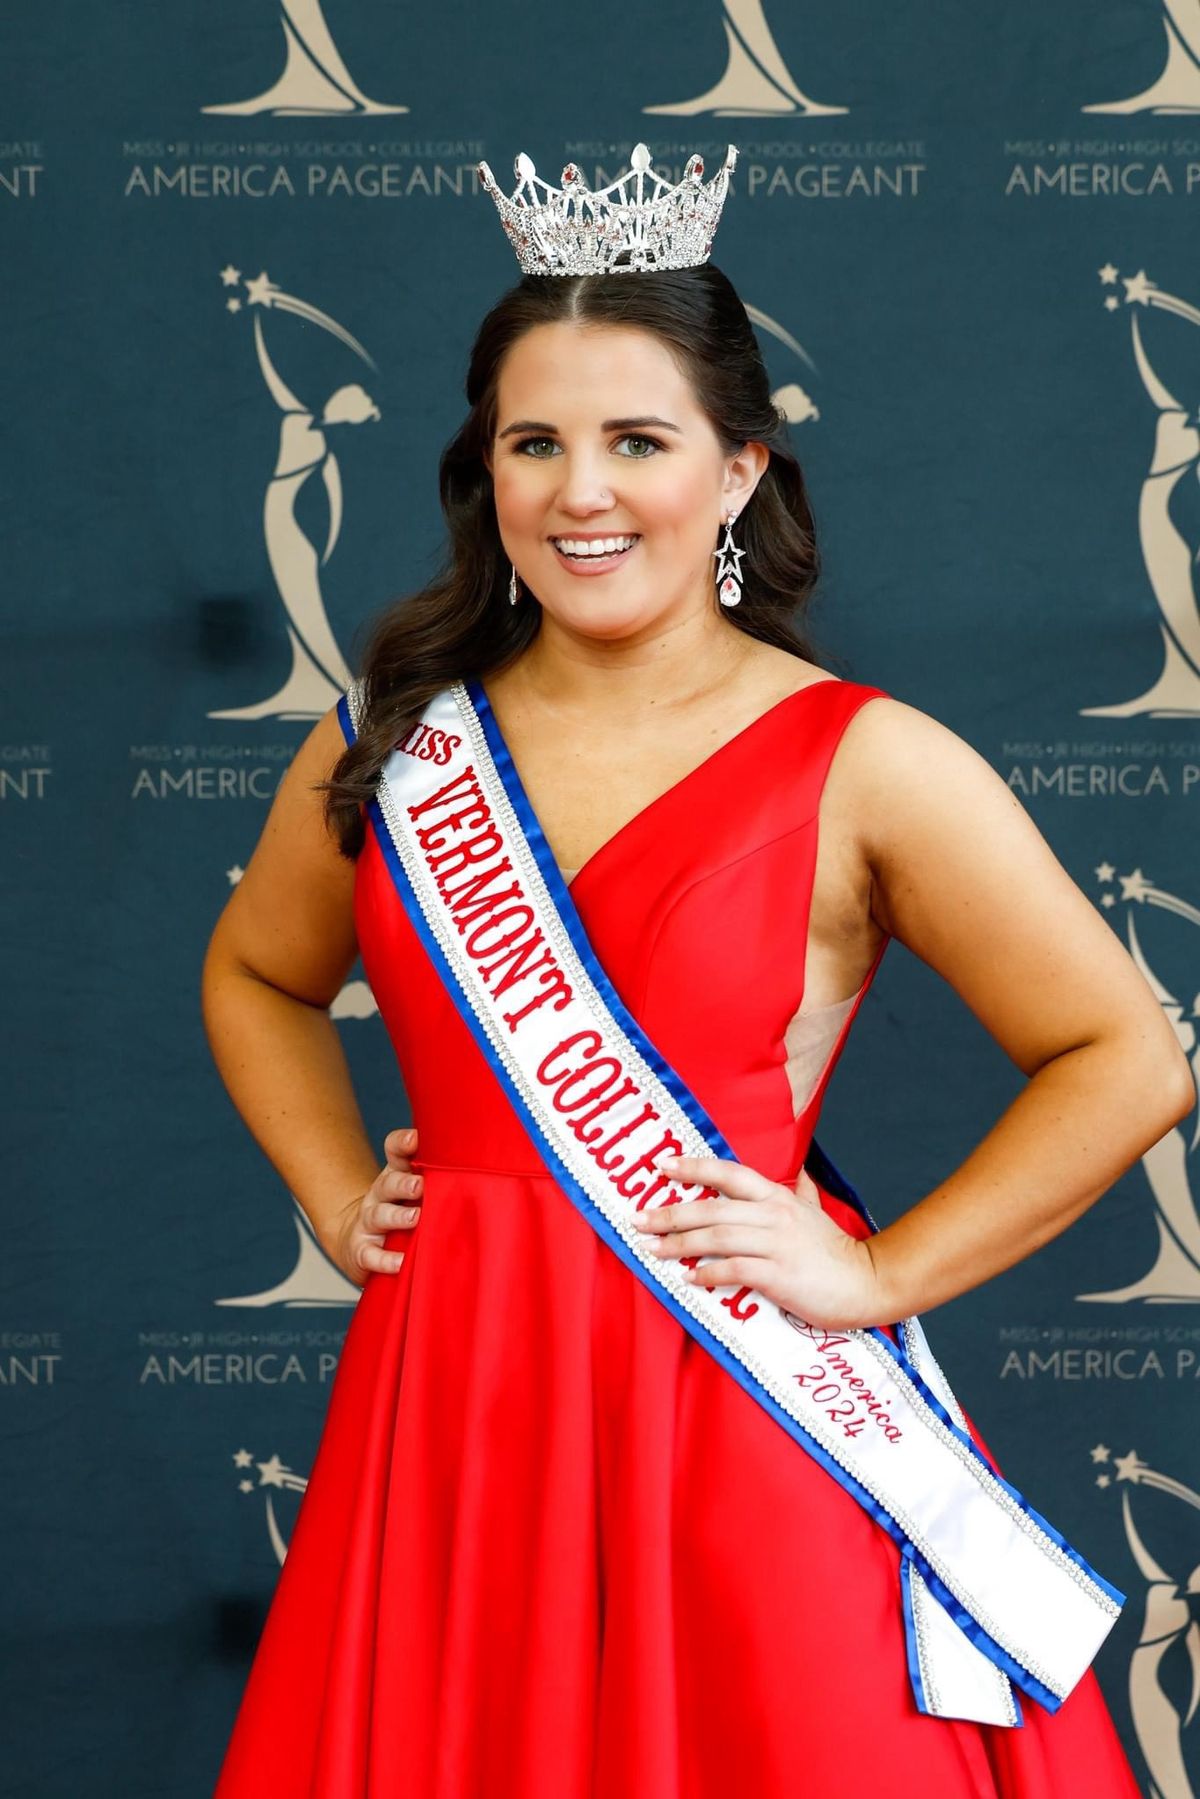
[(759, 1233)]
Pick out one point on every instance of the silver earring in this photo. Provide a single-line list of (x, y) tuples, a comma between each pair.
[(513, 591), (729, 562)]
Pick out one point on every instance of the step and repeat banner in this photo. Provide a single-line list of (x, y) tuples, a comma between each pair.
[(245, 250)]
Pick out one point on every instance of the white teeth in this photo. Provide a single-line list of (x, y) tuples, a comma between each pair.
[(603, 546)]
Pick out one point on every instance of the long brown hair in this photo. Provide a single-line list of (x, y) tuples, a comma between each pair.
[(461, 626)]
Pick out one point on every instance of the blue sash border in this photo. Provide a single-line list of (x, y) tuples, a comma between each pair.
[(910, 1635)]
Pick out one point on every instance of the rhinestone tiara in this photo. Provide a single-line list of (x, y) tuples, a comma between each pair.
[(637, 222)]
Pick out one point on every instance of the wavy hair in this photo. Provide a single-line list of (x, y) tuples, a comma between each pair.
[(460, 626)]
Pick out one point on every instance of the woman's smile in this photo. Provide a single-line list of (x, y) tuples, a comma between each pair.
[(589, 555)]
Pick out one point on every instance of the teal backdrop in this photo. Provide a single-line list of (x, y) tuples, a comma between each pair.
[(244, 254)]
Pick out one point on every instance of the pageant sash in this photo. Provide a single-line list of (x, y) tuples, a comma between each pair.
[(993, 1596)]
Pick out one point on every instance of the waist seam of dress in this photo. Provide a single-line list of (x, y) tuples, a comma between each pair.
[(516, 1174), (419, 1164)]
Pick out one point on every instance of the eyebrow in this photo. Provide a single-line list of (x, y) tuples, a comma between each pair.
[(608, 425)]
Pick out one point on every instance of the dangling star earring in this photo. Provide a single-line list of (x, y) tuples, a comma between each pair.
[(729, 563), (513, 590)]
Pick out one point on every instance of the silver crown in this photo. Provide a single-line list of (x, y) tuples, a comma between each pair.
[(637, 222)]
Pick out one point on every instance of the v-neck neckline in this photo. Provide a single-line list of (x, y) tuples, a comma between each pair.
[(491, 723)]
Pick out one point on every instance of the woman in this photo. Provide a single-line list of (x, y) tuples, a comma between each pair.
[(551, 1545)]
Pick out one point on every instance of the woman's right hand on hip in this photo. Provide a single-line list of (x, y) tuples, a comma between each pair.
[(392, 1202)]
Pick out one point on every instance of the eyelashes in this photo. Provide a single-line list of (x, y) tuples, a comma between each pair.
[(521, 446)]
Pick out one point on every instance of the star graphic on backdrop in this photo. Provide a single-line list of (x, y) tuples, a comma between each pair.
[(1128, 1467), (259, 291), (1112, 304), (230, 276), (1104, 1480), (1109, 900), (1105, 872), (243, 1458), (1135, 886), (1138, 288), (1108, 274), (233, 305), (272, 1472), (1101, 1453), (235, 874)]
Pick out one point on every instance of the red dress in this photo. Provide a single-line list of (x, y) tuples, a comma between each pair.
[(549, 1548)]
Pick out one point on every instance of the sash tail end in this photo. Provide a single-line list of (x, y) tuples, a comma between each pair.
[(951, 1677)]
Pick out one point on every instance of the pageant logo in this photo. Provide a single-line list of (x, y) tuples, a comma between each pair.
[(1164, 1670), (354, 1001), (313, 1280), (30, 1358), (208, 771), (315, 82), (307, 438), (25, 770), (780, 167), (22, 164), (756, 82), (1174, 1275), (1177, 89), (274, 1477), (1168, 553), (179, 1359), (792, 399)]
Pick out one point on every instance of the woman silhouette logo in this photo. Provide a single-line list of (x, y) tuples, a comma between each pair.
[(318, 673)]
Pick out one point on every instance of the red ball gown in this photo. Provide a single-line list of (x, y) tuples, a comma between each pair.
[(550, 1549)]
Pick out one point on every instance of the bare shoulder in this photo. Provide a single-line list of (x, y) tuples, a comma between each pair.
[(961, 875), (920, 799), (897, 766), (884, 722)]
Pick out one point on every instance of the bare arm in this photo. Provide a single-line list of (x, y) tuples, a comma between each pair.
[(278, 956), (962, 876)]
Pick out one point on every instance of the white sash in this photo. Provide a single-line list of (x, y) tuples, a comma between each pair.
[(993, 1596)]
